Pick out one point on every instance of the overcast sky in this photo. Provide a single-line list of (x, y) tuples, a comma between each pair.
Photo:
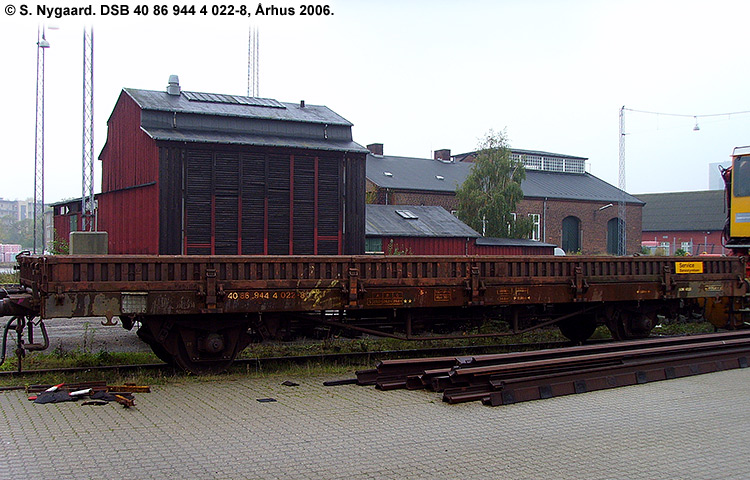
[(416, 76)]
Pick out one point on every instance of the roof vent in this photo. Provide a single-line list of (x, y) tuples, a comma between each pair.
[(301, 104), (440, 177), (388, 174), (174, 85)]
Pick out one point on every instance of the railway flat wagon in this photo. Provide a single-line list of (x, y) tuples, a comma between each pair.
[(198, 312)]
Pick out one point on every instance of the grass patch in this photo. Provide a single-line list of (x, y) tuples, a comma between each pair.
[(13, 278), (693, 328)]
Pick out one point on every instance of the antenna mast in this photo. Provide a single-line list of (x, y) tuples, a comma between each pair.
[(253, 62), (87, 194), (41, 45), (621, 224)]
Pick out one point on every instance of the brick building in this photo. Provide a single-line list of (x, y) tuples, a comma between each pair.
[(691, 221), (570, 207)]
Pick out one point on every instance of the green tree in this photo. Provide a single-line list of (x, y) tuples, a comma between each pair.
[(488, 197), (17, 231)]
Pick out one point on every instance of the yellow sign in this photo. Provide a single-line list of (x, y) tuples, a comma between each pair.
[(689, 267)]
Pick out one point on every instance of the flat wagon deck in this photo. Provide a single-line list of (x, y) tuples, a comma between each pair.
[(196, 310)]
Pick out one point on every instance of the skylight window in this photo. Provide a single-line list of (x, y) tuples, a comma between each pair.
[(406, 214)]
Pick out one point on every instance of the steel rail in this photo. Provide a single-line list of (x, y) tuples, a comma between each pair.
[(510, 378)]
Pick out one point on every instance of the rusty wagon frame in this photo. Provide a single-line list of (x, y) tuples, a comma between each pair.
[(198, 311)]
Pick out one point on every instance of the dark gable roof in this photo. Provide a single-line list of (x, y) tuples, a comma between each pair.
[(383, 220), (684, 211), (194, 117), (422, 174), (408, 173)]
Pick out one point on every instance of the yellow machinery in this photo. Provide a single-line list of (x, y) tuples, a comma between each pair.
[(737, 180)]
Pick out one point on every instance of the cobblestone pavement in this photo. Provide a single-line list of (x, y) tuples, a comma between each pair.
[(690, 428)]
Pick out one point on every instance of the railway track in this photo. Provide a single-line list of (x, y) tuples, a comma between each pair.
[(517, 377), (351, 357)]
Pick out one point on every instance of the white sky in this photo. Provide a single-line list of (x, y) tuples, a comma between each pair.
[(416, 76)]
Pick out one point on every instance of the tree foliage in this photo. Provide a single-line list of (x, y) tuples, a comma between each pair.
[(17, 231), (489, 195)]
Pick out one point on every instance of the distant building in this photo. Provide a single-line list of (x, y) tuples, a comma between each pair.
[(432, 230), (8, 252), (570, 207), (16, 209), (691, 221)]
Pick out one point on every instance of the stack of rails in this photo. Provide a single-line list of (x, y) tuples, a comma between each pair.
[(516, 377)]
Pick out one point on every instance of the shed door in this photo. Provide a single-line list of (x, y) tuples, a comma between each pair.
[(571, 234)]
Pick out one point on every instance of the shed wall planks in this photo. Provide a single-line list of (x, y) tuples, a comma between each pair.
[(250, 202)]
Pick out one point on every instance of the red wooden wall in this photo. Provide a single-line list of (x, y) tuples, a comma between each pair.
[(131, 217), (128, 205)]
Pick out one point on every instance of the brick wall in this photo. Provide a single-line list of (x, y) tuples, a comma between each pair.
[(593, 222), (702, 241)]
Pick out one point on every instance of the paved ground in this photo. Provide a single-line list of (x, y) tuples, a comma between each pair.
[(691, 428)]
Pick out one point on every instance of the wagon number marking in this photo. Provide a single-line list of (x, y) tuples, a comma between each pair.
[(264, 295)]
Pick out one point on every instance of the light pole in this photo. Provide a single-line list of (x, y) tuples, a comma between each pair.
[(41, 45)]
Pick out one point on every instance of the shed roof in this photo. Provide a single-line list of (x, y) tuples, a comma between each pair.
[(408, 173), (430, 221), (195, 117), (251, 138), (684, 211), (234, 106)]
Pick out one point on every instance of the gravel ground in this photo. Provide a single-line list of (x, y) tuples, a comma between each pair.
[(89, 334)]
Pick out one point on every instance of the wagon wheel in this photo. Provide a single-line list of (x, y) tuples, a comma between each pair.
[(145, 334), (578, 329), (630, 324), (206, 352)]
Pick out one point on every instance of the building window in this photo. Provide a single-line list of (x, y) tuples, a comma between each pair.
[(687, 247), (536, 230), (613, 236), (510, 224), (373, 245)]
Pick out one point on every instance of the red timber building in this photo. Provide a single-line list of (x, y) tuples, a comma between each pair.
[(208, 174), (432, 230)]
